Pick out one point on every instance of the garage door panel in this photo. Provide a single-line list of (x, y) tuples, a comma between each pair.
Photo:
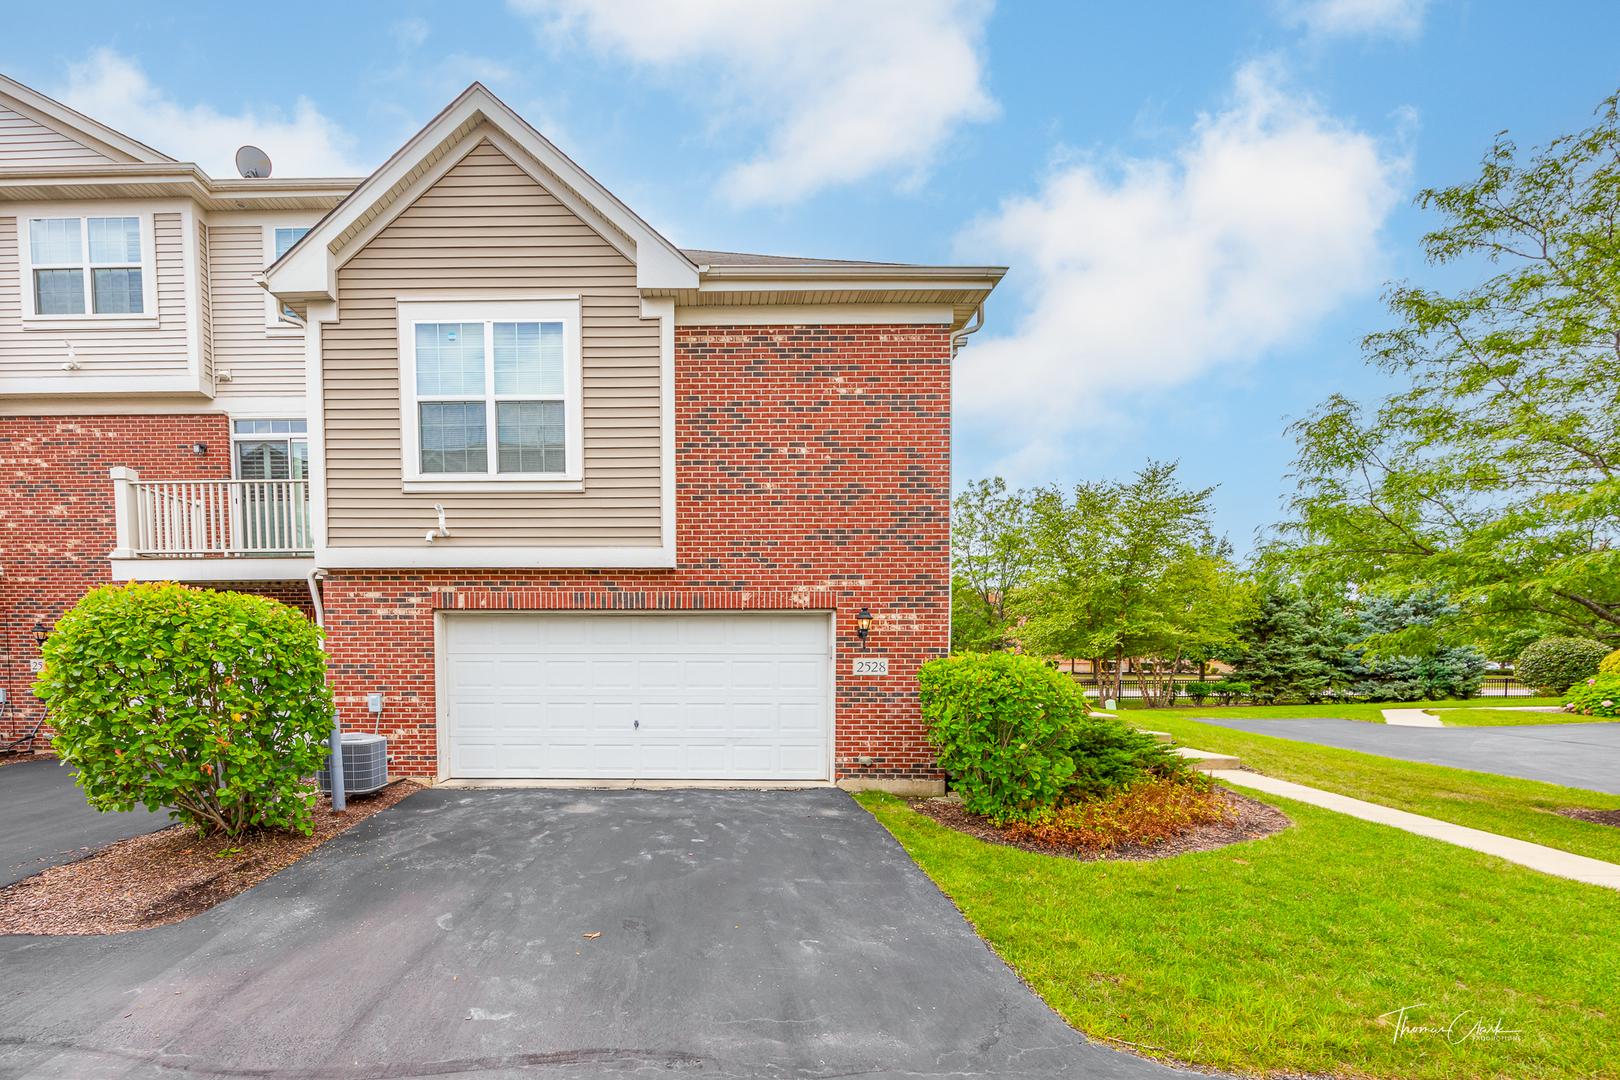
[(716, 696)]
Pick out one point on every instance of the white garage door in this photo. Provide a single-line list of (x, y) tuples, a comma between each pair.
[(688, 697)]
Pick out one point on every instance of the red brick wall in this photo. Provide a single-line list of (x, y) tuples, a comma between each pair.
[(811, 463), (56, 519)]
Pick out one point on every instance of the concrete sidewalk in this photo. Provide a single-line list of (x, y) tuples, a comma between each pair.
[(1535, 856)]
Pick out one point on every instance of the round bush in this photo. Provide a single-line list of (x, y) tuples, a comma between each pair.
[(1596, 696), (1610, 665), (1017, 737), (213, 705), (1003, 725), (1552, 665)]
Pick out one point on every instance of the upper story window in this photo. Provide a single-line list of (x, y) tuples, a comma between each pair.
[(285, 239), (87, 265), (495, 399)]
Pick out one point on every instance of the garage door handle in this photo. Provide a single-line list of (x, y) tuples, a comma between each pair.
[(638, 723)]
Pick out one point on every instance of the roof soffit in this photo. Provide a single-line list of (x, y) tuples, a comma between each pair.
[(309, 268)]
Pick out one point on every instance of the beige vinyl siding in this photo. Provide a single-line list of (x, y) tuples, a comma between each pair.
[(114, 352), (24, 141), (486, 229), (261, 364), (205, 303)]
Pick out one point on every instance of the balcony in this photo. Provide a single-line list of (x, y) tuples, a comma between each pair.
[(211, 530)]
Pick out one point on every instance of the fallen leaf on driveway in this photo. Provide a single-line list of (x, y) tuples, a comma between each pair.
[(597, 934)]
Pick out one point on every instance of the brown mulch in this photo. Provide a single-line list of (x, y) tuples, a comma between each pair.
[(1250, 820), (1596, 817), (171, 874)]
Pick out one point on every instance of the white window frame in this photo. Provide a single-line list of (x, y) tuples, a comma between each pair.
[(275, 325), (148, 317), (289, 437), (565, 311)]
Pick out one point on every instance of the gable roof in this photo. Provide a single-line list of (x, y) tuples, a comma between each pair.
[(308, 271), (736, 258), (35, 109)]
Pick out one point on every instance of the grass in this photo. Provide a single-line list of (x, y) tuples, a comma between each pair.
[(1281, 953), (1479, 716), (1363, 711), (1504, 805)]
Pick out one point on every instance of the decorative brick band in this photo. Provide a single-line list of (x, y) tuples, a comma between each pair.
[(630, 600)]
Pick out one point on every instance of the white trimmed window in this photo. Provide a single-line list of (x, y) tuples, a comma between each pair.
[(88, 266), (284, 239), (490, 394)]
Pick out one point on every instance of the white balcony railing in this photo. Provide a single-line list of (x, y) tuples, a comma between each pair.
[(210, 518)]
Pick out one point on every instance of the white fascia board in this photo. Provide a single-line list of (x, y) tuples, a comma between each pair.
[(248, 569), (814, 315), (310, 270), (443, 557), (81, 384)]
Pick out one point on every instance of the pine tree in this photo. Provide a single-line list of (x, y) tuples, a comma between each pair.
[(1288, 649), (1414, 662)]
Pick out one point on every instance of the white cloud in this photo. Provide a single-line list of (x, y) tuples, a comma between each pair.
[(410, 33), (114, 90), (846, 88), (1397, 18), (1141, 276)]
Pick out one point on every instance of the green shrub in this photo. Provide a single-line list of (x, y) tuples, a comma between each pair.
[(1596, 696), (1016, 736), (211, 704), (1610, 664), (1198, 691), (1229, 691), (1552, 665), (1003, 725)]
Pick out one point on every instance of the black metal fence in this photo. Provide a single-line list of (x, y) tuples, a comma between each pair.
[(1504, 686)]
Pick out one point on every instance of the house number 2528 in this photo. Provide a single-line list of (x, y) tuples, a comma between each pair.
[(876, 666)]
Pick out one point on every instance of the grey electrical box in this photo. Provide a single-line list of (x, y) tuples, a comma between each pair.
[(365, 764), (374, 703)]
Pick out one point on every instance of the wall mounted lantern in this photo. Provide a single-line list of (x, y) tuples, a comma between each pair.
[(40, 634), (863, 625)]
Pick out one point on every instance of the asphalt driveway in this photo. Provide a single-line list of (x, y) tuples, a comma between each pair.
[(45, 821), (1574, 755), (768, 934)]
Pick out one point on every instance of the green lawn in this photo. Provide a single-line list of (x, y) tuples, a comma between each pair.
[(1498, 804), (1281, 953), (1371, 714), (1482, 717)]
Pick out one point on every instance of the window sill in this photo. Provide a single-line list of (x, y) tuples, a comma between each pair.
[(423, 485), (57, 323)]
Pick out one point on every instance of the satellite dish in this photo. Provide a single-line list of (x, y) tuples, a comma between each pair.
[(252, 163)]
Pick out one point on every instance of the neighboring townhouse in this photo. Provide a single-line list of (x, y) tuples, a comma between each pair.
[(571, 502)]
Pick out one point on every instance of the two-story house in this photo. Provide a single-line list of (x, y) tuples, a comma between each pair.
[(571, 502)]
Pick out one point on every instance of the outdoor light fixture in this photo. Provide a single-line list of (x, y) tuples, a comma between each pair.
[(199, 448), (40, 634), (863, 625)]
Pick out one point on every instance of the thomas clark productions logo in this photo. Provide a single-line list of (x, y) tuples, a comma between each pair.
[(1466, 1026)]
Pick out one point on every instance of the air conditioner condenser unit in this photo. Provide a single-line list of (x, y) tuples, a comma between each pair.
[(365, 764)]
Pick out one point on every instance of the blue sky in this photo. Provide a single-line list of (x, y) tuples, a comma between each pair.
[(1200, 202)]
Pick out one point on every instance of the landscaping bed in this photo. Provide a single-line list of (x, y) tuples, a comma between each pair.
[(1247, 820), (171, 874)]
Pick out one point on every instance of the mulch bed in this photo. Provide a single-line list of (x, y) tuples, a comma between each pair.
[(1250, 820), (1596, 817), (171, 874)]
